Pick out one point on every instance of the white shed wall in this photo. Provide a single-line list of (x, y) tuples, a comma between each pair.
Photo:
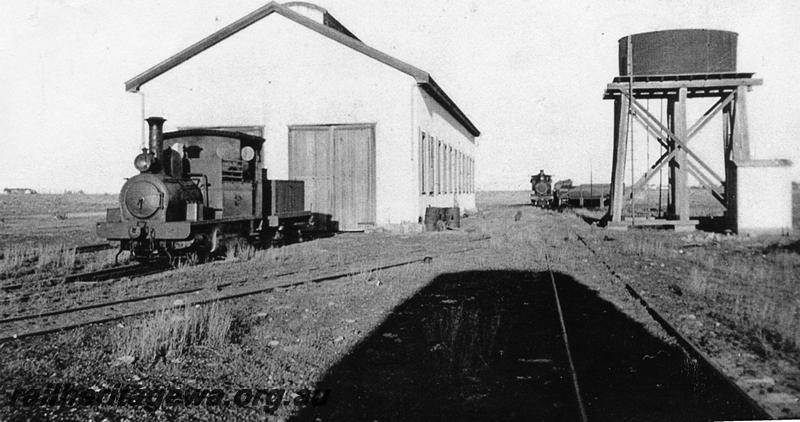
[(277, 73), (430, 117)]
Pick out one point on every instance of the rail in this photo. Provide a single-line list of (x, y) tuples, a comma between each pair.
[(565, 337), (687, 345)]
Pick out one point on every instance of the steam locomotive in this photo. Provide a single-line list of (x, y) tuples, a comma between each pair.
[(196, 191), (541, 190)]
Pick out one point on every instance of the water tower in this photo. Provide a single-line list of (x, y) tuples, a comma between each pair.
[(673, 67)]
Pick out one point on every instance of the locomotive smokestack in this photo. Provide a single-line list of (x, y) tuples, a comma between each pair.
[(156, 125)]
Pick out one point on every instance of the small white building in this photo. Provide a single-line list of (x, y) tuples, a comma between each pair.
[(375, 140), (763, 192)]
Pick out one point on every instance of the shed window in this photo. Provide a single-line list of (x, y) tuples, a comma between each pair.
[(449, 169), (439, 166), (471, 175), (458, 172), (463, 173), (471, 171), (455, 171), (447, 160), (466, 182), (422, 146), (431, 169)]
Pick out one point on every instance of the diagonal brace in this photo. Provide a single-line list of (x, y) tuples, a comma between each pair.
[(664, 159), (694, 171), (656, 134), (656, 124), (653, 130), (709, 114)]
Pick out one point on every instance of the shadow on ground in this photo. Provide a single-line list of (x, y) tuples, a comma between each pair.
[(487, 346), (792, 247), (714, 224)]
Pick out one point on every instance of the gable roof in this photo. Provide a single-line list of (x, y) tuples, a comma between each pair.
[(423, 78)]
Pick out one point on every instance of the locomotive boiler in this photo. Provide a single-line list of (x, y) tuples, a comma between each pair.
[(197, 190)]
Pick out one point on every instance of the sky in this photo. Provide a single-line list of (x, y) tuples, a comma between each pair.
[(529, 74)]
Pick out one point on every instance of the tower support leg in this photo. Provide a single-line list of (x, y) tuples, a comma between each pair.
[(736, 149), (618, 161), (679, 187)]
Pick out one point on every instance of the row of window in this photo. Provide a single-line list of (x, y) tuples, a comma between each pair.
[(444, 169)]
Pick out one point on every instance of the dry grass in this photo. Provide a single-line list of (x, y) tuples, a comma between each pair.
[(42, 258), (15, 257), (293, 254), (649, 247), (170, 333), (537, 238), (33, 264), (104, 259), (697, 282), (365, 276), (240, 250), (465, 338), (759, 294), (55, 256), (756, 292)]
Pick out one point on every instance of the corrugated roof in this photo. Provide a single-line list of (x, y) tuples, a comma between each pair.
[(422, 77)]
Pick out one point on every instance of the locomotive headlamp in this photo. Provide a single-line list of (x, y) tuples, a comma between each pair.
[(248, 153), (144, 161)]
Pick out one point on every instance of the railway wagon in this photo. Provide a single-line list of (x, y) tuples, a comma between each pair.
[(196, 191), (581, 196)]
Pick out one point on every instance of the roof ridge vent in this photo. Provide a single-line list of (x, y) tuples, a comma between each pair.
[(318, 14)]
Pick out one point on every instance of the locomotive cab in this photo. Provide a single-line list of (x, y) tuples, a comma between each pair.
[(224, 167)]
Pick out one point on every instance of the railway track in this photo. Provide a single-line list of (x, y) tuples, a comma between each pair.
[(94, 313), (565, 337), (81, 282), (132, 270), (757, 412), (97, 247)]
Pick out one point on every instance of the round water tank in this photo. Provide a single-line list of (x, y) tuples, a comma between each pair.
[(679, 51)]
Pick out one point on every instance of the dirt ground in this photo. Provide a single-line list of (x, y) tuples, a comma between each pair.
[(67, 219), (471, 334)]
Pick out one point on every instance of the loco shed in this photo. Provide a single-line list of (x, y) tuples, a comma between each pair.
[(375, 140)]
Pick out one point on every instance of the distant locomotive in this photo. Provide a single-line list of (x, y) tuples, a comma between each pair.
[(541, 190), (198, 189)]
